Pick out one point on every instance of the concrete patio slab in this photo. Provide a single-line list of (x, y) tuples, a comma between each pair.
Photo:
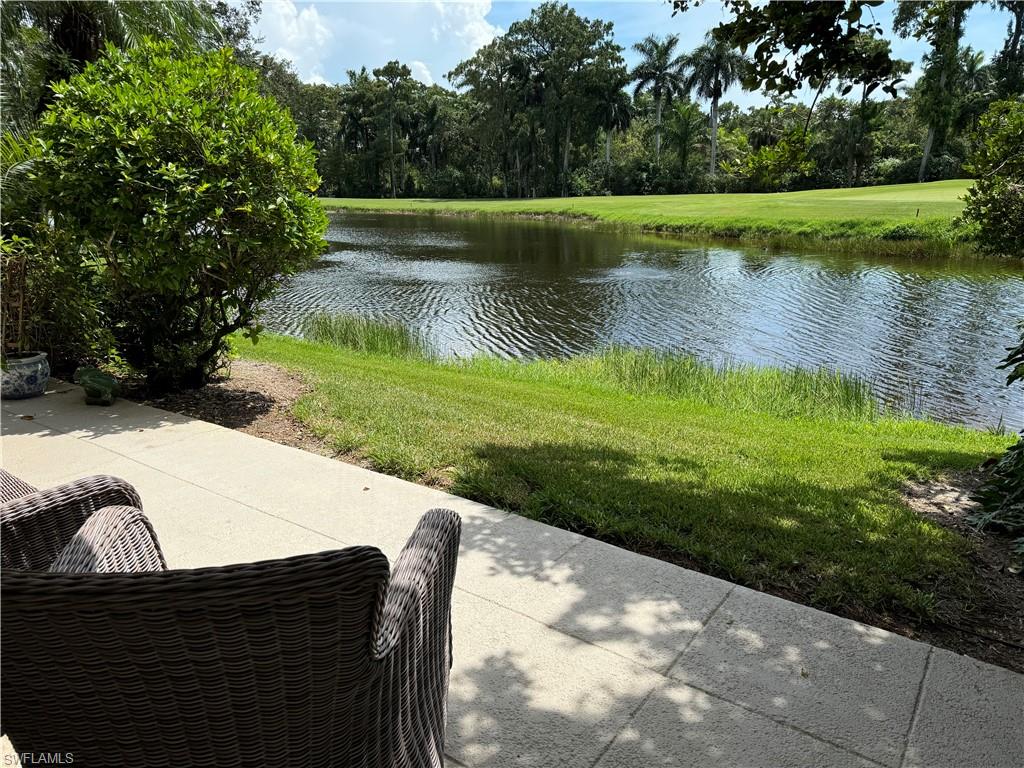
[(567, 651), (845, 682), (643, 609), (970, 714), (49, 456), (523, 694), (683, 727)]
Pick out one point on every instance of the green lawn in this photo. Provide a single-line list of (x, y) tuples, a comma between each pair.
[(889, 214), (774, 490)]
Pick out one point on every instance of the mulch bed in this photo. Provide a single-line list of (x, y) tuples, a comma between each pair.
[(257, 398)]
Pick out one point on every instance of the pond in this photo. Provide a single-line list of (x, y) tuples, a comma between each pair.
[(927, 333)]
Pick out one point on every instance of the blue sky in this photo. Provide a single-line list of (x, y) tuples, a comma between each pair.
[(325, 39)]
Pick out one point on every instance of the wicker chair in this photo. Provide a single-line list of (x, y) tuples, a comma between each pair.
[(318, 660)]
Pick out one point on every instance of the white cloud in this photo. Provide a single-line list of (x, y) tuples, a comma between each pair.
[(466, 21), (324, 39), (421, 72), (300, 36)]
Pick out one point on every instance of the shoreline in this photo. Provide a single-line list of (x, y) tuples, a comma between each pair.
[(916, 220), (740, 235)]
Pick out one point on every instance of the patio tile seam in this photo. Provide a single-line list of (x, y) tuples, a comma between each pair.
[(786, 724), (917, 705), (629, 721), (668, 679), (699, 632), (558, 559)]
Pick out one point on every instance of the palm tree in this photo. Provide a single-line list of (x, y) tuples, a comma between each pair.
[(73, 32), (684, 128), (660, 73), (616, 114), (974, 75), (977, 89), (713, 67)]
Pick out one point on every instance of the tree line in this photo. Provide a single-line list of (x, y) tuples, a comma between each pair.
[(550, 108)]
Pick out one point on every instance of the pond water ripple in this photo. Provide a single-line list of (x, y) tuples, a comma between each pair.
[(928, 333)]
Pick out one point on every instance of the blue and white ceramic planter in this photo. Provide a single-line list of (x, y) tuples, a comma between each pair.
[(24, 375)]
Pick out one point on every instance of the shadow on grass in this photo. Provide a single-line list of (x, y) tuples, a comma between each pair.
[(856, 549), (655, 665)]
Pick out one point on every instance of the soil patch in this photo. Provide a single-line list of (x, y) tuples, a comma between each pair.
[(255, 398)]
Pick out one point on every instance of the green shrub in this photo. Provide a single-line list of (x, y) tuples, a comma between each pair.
[(1002, 494), (995, 204), (192, 191), (51, 298), (777, 167)]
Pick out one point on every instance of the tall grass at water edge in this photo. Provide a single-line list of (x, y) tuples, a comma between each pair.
[(791, 392), (365, 334)]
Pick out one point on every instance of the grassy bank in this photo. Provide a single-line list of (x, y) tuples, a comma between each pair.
[(784, 481), (904, 218)]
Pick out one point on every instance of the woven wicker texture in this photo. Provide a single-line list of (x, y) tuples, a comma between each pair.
[(35, 528), (314, 660), (113, 540), (12, 488)]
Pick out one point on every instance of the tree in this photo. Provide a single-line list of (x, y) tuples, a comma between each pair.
[(995, 204), (570, 55), (65, 35), (193, 193), (397, 79), (805, 43), (685, 127), (864, 118), (1008, 64), (538, 87), (941, 23), (660, 73), (615, 114), (713, 68), (975, 90)]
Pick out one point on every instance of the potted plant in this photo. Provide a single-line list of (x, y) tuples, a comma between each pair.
[(22, 373)]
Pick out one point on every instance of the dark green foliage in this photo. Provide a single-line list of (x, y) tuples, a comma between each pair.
[(995, 204), (798, 43), (52, 300), (662, 73), (44, 42), (1014, 360), (777, 167), (193, 193), (1002, 495), (517, 128)]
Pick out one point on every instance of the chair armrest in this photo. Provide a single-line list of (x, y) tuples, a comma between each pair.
[(113, 540), (417, 605), (35, 528)]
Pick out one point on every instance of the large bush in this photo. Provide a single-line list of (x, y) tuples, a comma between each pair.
[(192, 191), (995, 204)]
